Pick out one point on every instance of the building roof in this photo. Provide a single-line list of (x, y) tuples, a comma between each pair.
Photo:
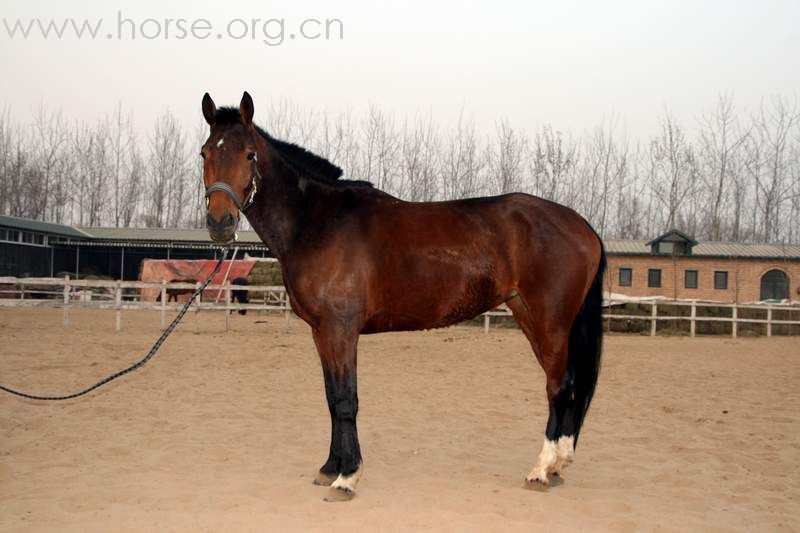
[(160, 234), (711, 249), (27, 224), (674, 235)]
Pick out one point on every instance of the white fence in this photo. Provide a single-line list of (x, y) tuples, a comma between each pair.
[(69, 293), (653, 317), (735, 319)]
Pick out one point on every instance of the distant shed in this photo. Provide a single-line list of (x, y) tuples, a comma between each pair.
[(33, 248)]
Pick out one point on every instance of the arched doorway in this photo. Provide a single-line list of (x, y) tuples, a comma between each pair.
[(774, 285)]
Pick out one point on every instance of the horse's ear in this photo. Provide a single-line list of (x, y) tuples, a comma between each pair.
[(209, 109), (246, 109)]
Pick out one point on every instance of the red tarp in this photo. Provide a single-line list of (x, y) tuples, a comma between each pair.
[(156, 270)]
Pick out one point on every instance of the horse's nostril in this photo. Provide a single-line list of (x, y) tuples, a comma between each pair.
[(227, 221)]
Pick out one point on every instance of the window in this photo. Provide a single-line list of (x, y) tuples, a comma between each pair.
[(38, 238), (666, 247), (690, 279), (3, 234), (27, 236), (775, 285), (654, 277), (13, 235), (720, 279), (625, 277)]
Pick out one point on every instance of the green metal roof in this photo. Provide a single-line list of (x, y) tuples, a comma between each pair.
[(27, 224), (160, 234)]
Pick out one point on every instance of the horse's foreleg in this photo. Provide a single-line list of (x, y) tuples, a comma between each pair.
[(330, 470), (337, 351)]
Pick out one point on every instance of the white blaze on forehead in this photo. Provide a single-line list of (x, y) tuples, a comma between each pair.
[(220, 142)]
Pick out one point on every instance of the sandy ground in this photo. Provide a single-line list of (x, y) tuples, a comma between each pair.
[(224, 432)]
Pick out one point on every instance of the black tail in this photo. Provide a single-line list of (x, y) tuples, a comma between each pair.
[(585, 348)]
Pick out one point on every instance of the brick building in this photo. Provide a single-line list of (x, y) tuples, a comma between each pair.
[(676, 266)]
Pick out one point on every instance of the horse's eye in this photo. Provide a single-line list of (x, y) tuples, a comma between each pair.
[(251, 156), (203, 155)]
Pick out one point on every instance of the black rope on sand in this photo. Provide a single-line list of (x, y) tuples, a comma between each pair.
[(139, 363)]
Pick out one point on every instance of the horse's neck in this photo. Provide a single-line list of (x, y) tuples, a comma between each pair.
[(277, 213)]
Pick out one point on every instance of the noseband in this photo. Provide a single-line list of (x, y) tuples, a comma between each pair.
[(221, 186)]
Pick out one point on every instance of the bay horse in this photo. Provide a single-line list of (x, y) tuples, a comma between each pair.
[(356, 260)]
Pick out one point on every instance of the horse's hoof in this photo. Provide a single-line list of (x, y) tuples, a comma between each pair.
[(340, 494), (538, 482), (344, 488), (324, 480)]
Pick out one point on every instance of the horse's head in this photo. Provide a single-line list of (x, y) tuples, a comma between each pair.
[(230, 168)]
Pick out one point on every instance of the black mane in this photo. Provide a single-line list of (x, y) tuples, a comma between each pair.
[(306, 163)]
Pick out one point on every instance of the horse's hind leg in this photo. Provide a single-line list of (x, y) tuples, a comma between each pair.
[(549, 339)]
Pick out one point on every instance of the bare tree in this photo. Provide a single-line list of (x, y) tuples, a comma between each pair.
[(6, 156), (507, 158), (721, 141), (132, 188), (554, 158), (604, 168), (120, 135), (50, 138), (419, 161), (672, 172), (167, 173), (768, 162), (463, 161)]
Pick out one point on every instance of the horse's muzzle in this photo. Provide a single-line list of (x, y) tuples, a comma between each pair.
[(222, 230)]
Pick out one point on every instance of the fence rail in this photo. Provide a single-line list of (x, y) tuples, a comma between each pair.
[(69, 293)]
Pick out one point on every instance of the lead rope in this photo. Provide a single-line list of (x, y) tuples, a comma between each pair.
[(139, 363)]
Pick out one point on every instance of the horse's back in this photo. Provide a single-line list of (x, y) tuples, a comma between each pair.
[(437, 264), (394, 265)]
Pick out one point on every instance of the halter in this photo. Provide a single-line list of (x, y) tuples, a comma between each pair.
[(220, 186)]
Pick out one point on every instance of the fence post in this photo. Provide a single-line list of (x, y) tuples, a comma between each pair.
[(227, 305), (486, 323), (163, 303), (769, 321), (653, 314), (118, 304), (288, 309), (197, 310), (22, 290), (692, 323), (66, 301), (735, 316)]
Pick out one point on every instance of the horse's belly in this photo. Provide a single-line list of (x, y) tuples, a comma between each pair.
[(432, 301)]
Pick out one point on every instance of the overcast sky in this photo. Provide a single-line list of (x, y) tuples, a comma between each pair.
[(571, 64)]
